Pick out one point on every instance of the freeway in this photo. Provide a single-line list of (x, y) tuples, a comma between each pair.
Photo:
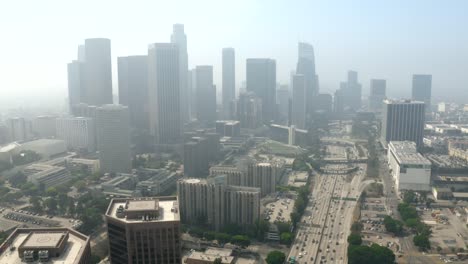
[(325, 225)]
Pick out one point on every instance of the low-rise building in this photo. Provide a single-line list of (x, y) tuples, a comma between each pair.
[(47, 175), (410, 170), (91, 165), (210, 256), (46, 245), (160, 181)]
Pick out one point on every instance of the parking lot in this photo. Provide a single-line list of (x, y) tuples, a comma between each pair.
[(297, 178), (12, 217), (280, 210)]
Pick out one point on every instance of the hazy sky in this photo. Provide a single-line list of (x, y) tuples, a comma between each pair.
[(379, 39)]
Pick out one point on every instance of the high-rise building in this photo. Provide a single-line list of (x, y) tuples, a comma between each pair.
[(402, 121), (217, 203), (76, 85), (282, 100), (249, 110), (348, 97), (98, 72), (378, 89), (228, 128), (90, 77), (323, 103), (46, 245), (178, 37), (229, 81), (144, 230), (78, 133), (199, 150), (422, 89), (306, 67), (113, 138), (261, 80), (298, 101), (205, 94), (18, 129), (44, 126), (164, 93), (263, 175), (133, 88)]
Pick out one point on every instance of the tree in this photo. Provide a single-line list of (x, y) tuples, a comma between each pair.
[(409, 197), (356, 227), (51, 204), (223, 237), (422, 241), (276, 257), (412, 222), (218, 261), (240, 240), (286, 238), (18, 179), (36, 203), (392, 225), (354, 239), (51, 191)]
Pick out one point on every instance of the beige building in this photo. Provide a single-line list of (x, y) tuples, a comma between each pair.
[(46, 245), (144, 231), (217, 203)]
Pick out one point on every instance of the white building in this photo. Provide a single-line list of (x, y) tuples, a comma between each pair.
[(78, 132), (410, 170)]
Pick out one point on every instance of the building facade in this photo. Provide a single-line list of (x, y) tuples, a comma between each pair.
[(164, 93), (298, 101), (229, 81), (179, 38), (261, 80), (77, 132), (205, 94), (378, 89), (113, 138), (402, 120)]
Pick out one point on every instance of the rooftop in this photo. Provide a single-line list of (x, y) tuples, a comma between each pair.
[(406, 153), (44, 238), (135, 210)]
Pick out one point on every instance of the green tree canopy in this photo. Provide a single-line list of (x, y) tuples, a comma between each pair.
[(276, 257)]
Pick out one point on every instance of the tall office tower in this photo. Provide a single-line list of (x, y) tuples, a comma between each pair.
[(338, 99), (178, 37), (282, 99), (261, 79), (78, 132), (76, 83), (354, 91), (4, 134), (249, 110), (164, 93), (323, 103), (144, 230), (133, 88), (422, 89), (377, 94), (113, 138), (229, 81), (18, 129), (217, 203), (306, 67), (402, 120), (298, 101), (263, 176), (196, 157), (205, 94), (44, 126), (97, 72)]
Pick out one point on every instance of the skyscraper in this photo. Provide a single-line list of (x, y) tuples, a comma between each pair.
[(97, 72), (133, 88), (282, 99), (90, 77), (229, 81), (249, 110), (422, 89), (306, 67), (402, 120), (354, 89), (205, 94), (261, 79), (144, 230), (164, 93), (377, 94), (18, 129), (298, 100), (218, 203), (113, 138), (178, 37)]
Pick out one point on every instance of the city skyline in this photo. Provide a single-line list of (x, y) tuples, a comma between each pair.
[(416, 25)]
